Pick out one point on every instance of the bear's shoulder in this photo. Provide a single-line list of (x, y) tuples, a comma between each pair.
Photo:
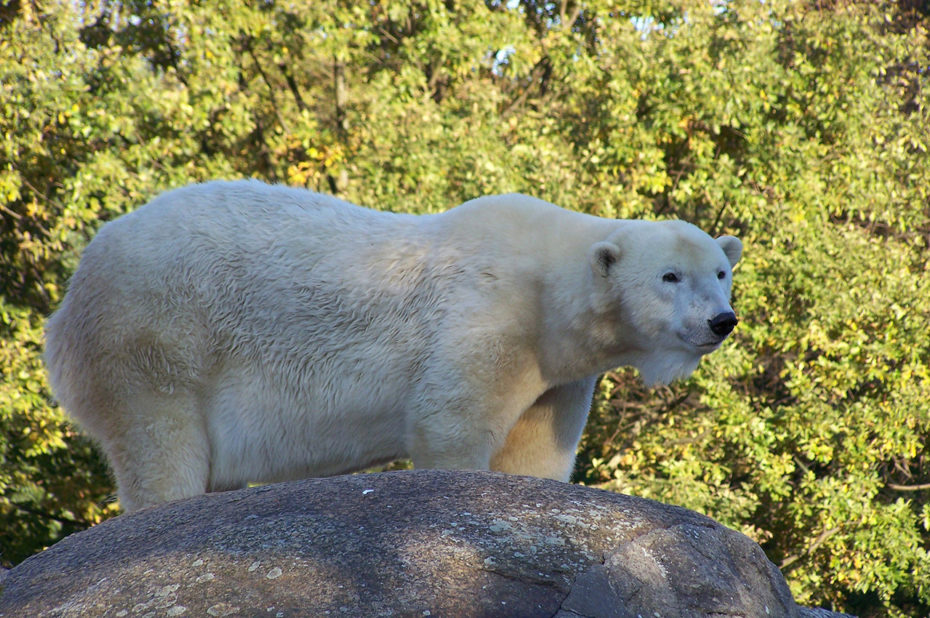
[(522, 215)]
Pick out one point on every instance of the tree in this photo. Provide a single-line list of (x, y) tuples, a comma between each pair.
[(799, 126)]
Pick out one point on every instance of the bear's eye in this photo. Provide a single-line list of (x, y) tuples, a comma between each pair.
[(721, 275), (670, 278)]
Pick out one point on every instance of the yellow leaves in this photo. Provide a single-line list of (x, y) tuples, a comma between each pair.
[(816, 449), (43, 438), (65, 114), (10, 183), (316, 163), (911, 372), (303, 173)]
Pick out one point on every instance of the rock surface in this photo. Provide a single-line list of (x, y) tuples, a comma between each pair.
[(421, 543)]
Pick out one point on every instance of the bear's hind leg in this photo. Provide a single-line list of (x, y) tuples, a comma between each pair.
[(543, 441), (160, 451)]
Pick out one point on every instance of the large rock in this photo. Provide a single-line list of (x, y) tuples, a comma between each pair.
[(423, 543)]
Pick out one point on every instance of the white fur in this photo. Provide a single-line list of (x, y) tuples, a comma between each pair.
[(234, 332)]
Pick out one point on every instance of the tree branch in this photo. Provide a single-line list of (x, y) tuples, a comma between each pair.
[(569, 23), (59, 518), (247, 42), (540, 72), (292, 85), (823, 536), (897, 487)]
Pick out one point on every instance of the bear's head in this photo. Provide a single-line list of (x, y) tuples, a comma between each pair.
[(665, 285)]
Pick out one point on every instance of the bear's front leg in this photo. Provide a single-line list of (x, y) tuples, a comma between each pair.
[(544, 439), (455, 436), (456, 425), (480, 380)]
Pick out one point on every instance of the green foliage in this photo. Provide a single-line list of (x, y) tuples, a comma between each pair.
[(799, 126)]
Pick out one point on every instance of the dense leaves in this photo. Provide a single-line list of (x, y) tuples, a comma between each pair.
[(800, 126)]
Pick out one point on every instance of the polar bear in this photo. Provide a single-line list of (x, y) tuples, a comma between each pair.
[(236, 332)]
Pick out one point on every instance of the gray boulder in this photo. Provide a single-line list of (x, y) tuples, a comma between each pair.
[(421, 543)]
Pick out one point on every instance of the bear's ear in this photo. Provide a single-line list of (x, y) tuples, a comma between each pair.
[(603, 255), (732, 248)]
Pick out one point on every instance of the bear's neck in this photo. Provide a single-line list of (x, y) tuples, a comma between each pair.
[(580, 339)]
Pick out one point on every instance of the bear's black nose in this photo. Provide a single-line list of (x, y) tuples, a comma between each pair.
[(723, 323)]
